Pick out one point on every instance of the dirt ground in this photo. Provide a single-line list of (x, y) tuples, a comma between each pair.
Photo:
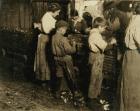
[(19, 94)]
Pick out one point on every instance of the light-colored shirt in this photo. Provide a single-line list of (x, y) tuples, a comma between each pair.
[(48, 22), (96, 41), (132, 38)]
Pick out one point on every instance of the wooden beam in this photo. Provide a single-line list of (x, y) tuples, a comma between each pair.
[(59, 1)]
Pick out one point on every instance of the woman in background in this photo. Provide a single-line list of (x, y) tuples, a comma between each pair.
[(88, 19), (130, 90), (41, 66)]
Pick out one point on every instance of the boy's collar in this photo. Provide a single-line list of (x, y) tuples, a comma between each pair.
[(58, 33), (94, 30)]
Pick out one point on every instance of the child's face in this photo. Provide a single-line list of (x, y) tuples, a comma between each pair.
[(63, 30), (102, 29)]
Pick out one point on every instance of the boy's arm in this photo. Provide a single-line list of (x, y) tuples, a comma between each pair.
[(68, 48), (111, 43), (136, 36), (91, 43), (100, 42)]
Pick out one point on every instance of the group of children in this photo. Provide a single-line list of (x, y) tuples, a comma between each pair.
[(63, 49)]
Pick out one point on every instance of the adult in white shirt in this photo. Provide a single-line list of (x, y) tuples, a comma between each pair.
[(48, 20), (41, 67), (130, 89)]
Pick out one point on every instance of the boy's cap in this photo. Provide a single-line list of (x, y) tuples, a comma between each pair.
[(99, 21), (61, 23)]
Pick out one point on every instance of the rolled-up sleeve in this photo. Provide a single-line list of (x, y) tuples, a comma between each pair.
[(100, 43), (91, 43), (96, 42), (67, 47), (136, 35)]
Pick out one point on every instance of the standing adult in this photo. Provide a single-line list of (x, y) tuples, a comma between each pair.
[(130, 90), (41, 67)]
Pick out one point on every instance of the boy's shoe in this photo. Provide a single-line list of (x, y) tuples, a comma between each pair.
[(78, 99), (56, 95), (94, 105), (46, 87)]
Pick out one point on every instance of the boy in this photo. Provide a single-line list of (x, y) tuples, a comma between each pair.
[(97, 46), (62, 50)]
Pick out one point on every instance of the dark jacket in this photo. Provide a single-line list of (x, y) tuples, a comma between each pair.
[(79, 27), (61, 46)]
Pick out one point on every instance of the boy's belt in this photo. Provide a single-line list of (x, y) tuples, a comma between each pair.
[(96, 52), (132, 49), (61, 57)]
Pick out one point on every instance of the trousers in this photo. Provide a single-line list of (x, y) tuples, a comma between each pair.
[(96, 77), (65, 68)]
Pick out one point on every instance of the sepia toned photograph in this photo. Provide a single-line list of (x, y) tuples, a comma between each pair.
[(69, 55)]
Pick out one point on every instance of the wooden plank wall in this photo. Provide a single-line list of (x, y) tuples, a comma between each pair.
[(38, 10), (16, 15), (20, 14), (39, 7)]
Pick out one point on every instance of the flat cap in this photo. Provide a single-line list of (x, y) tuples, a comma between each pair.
[(61, 23)]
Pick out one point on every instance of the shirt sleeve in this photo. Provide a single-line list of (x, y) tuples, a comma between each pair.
[(92, 44), (96, 40), (100, 42), (47, 24), (136, 35), (68, 48)]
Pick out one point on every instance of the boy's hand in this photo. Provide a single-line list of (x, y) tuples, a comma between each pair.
[(113, 41), (37, 25), (73, 42)]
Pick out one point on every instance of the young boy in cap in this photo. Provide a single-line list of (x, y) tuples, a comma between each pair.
[(62, 50), (97, 46)]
